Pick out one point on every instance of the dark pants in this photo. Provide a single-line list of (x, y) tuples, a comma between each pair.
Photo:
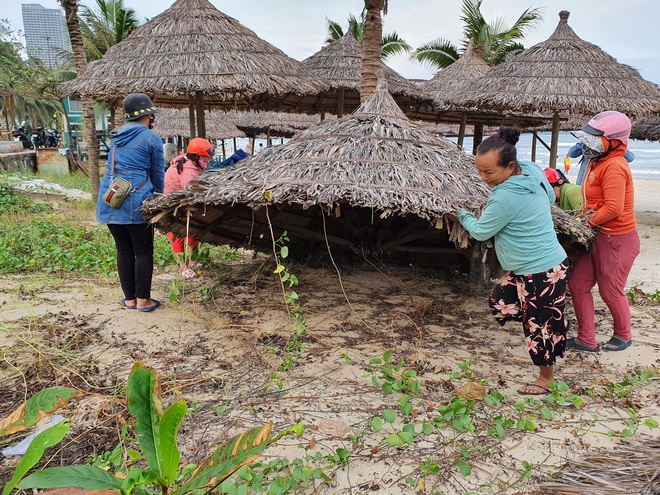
[(135, 258), (537, 300)]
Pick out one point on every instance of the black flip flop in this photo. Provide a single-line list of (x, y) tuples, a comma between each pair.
[(543, 390)]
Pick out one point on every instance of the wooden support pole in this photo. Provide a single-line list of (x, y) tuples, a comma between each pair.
[(199, 107), (191, 115), (534, 139), (461, 129), (554, 143)]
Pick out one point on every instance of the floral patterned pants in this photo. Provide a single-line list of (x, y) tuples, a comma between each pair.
[(537, 300)]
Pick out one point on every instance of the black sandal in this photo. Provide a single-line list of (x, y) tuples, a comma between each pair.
[(616, 344)]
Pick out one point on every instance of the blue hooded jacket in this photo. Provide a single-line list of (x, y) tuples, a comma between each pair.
[(518, 216), (138, 155)]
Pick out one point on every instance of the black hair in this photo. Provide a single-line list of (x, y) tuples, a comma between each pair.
[(503, 142), (188, 156)]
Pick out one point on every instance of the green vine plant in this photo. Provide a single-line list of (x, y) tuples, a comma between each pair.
[(294, 348), (121, 470)]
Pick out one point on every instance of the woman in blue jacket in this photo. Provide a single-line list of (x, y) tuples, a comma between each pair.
[(137, 153), (517, 215)]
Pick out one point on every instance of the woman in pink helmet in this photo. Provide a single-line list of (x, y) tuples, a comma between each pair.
[(608, 196), (182, 170)]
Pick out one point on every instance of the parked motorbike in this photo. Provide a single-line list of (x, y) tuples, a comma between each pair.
[(53, 138), (39, 137), (19, 134)]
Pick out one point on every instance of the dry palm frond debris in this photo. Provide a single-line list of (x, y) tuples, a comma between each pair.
[(632, 468)]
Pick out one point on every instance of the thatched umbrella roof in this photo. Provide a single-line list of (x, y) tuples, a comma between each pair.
[(176, 122), (564, 75), (561, 77), (278, 124), (373, 181), (193, 47), (646, 129), (457, 76), (370, 182), (340, 64)]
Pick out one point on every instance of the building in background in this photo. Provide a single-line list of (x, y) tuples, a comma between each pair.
[(46, 35)]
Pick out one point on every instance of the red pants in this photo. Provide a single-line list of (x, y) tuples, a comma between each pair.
[(178, 243), (608, 264)]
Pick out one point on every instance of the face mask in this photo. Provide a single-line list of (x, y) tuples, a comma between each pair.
[(592, 146)]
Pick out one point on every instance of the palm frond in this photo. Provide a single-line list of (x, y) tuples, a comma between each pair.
[(335, 31), (393, 44), (439, 53)]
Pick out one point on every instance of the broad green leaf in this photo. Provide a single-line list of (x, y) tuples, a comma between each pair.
[(168, 430), (546, 413), (40, 405), (227, 458), (376, 424), (427, 428), (82, 476), (407, 437), (389, 415), (395, 440), (651, 423), (137, 477), (145, 405), (279, 269), (47, 438), (464, 467), (284, 251)]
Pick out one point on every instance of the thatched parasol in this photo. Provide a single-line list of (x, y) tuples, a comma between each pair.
[(276, 124), (563, 76), (455, 78), (646, 129), (340, 64), (370, 182), (192, 50), (175, 122)]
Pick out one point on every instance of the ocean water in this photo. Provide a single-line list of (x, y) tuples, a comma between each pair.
[(646, 164)]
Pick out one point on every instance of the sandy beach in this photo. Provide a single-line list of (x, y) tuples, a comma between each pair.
[(227, 350)]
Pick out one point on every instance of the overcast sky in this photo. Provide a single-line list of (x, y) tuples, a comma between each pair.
[(628, 30)]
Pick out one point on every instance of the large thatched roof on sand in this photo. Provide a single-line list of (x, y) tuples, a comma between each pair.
[(563, 74), (176, 122), (340, 64), (192, 47), (370, 182), (365, 180), (457, 76)]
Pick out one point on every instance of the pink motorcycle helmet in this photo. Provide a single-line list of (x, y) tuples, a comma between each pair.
[(610, 125)]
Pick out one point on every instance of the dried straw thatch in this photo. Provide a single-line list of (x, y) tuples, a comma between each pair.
[(646, 129), (632, 468), (372, 181), (340, 64), (193, 47), (174, 122), (278, 124), (457, 76), (564, 75)]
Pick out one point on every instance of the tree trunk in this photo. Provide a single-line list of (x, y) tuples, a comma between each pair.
[(371, 47), (71, 12)]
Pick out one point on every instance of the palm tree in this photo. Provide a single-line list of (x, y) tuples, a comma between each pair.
[(71, 13), (498, 40), (106, 25), (392, 43), (371, 47)]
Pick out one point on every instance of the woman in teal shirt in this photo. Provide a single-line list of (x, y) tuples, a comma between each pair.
[(517, 216)]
